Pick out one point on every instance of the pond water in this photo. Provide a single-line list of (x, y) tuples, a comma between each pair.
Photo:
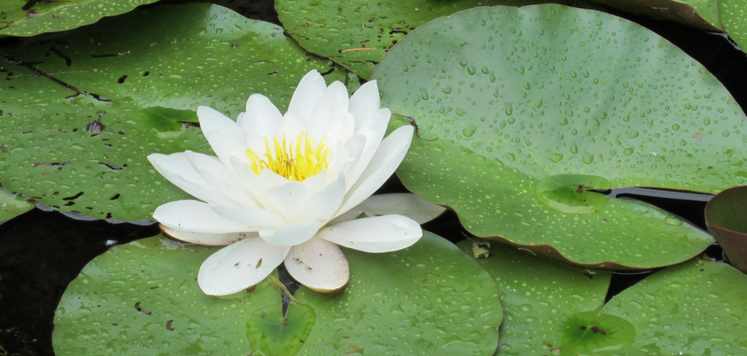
[(41, 252)]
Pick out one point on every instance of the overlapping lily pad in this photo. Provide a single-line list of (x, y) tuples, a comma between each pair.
[(24, 18), (697, 308), (80, 113), (538, 297), (725, 218), (724, 15), (358, 33), (142, 298), (11, 206), (520, 123)]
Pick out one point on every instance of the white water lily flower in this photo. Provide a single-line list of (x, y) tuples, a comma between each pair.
[(280, 186)]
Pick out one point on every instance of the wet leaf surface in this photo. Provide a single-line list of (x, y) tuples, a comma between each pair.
[(82, 112), (538, 296), (729, 16), (26, 18), (726, 219), (696, 308), (142, 298), (537, 121), (357, 34), (11, 206)]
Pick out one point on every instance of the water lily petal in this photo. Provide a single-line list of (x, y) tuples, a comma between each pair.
[(177, 169), (309, 90), (261, 118), (201, 238), (406, 204), (216, 174), (239, 266), (383, 164), (290, 235), (330, 111), (374, 133), (224, 135), (376, 234), (364, 103), (195, 216), (319, 265)]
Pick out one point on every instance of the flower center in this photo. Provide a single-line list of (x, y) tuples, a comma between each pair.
[(295, 160)]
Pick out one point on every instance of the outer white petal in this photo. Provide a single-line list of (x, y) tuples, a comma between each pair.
[(290, 235), (406, 204), (365, 102), (376, 234), (200, 238), (386, 160), (216, 174), (374, 133), (309, 90), (261, 117), (195, 216), (177, 169), (319, 265), (239, 266), (223, 134)]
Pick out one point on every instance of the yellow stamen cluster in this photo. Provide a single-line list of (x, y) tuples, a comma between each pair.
[(296, 160)]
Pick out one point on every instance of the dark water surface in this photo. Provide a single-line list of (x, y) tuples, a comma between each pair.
[(41, 252)]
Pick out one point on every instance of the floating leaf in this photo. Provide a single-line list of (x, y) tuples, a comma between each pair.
[(26, 18), (519, 126), (142, 298), (724, 15), (358, 33), (596, 333), (81, 113), (697, 308), (726, 219), (11, 206), (538, 296)]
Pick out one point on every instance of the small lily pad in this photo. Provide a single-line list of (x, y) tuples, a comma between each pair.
[(697, 308), (532, 124), (81, 113), (726, 219), (596, 333), (11, 206), (142, 298), (26, 18), (538, 295)]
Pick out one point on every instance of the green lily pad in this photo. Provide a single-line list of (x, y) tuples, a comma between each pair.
[(142, 298), (42, 16), (11, 206), (697, 308), (529, 122), (729, 16), (81, 113), (358, 33), (538, 296), (725, 218)]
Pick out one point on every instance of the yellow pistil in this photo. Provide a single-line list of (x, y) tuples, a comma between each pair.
[(295, 160)]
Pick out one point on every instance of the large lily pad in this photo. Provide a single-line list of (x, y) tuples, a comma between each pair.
[(697, 308), (24, 18), (358, 33), (725, 218), (527, 121), (11, 206), (538, 296), (80, 113), (142, 299), (724, 15)]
